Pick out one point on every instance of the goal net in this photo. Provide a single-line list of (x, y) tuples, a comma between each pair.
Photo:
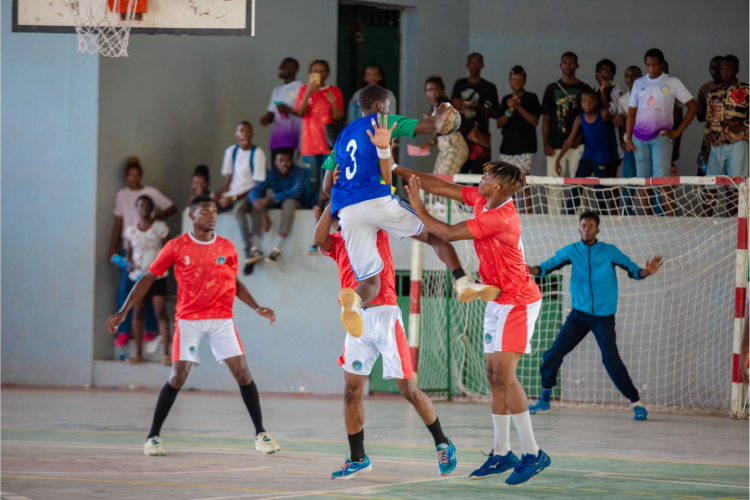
[(677, 331)]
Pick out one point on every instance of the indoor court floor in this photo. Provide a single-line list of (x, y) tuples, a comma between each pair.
[(86, 444)]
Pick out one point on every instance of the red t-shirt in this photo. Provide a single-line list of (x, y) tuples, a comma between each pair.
[(387, 295), (206, 276), (319, 114), (500, 250)]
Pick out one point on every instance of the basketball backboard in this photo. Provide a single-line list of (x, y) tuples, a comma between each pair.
[(159, 17)]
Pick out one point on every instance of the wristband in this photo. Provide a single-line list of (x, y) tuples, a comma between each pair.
[(508, 112), (384, 154), (393, 167)]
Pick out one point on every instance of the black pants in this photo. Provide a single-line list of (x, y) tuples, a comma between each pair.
[(575, 329), (590, 168)]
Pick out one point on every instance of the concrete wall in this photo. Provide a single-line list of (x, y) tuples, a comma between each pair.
[(535, 33), (49, 143)]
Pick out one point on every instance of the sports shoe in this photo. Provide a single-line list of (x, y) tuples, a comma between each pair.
[(152, 345), (266, 444), (495, 465), (351, 469), (351, 312), (468, 290), (528, 467), (446, 454), (274, 257), (153, 448), (313, 250), (640, 412), (122, 340), (540, 406), (255, 256)]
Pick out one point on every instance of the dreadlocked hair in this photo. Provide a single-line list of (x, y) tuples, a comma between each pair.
[(507, 173)]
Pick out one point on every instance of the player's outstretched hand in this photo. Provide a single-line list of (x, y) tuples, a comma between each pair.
[(382, 137), (412, 189), (114, 321), (267, 313), (653, 265)]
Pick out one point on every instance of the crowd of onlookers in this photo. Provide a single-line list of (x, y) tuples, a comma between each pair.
[(586, 132)]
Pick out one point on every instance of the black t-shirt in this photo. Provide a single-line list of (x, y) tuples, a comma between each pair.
[(483, 93), (519, 136), (562, 103)]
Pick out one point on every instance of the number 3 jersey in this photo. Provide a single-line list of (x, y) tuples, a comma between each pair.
[(206, 274), (357, 158)]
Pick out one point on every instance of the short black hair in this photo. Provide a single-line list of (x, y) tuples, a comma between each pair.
[(319, 61), (371, 95), (589, 214), (731, 59), (284, 151), (245, 122), (636, 68), (654, 53), (437, 80), (588, 91), (475, 54), (133, 162), (201, 198), (147, 198), (202, 171), (607, 62), (717, 58), (518, 70), (291, 60), (569, 54), (502, 170), (380, 70)]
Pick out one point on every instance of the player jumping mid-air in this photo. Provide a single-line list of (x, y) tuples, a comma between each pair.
[(508, 320), (365, 205), (383, 334), (205, 266)]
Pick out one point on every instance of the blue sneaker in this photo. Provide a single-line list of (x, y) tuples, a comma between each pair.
[(446, 454), (640, 413), (540, 406), (495, 465), (528, 467), (351, 469)]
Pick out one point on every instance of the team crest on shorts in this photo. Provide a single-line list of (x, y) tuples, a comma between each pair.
[(192, 349), (357, 366), (664, 89), (487, 338), (220, 260)]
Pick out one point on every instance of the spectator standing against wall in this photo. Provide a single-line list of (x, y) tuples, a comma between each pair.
[(373, 75), (244, 166), (287, 126), (713, 69), (319, 104), (609, 94), (452, 149), (632, 73), (476, 99)]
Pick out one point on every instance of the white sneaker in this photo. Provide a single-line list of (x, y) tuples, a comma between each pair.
[(468, 290), (153, 448), (266, 444), (152, 346), (351, 312)]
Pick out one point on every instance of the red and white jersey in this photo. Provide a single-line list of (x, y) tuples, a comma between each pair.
[(500, 250), (387, 295), (206, 275)]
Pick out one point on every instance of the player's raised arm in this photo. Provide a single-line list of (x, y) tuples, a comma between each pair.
[(134, 297), (245, 296), (445, 232), (382, 141), (434, 124), (431, 184), (558, 261), (322, 234)]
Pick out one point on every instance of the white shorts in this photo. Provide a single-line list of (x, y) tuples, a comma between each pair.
[(360, 224), (221, 334), (383, 334), (509, 328)]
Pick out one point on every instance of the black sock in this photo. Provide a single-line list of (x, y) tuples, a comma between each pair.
[(458, 273), (252, 402), (357, 446), (166, 399), (437, 432)]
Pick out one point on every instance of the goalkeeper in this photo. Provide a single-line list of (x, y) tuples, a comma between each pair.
[(593, 290)]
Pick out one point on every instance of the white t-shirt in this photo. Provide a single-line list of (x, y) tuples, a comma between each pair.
[(243, 177), (145, 246), (655, 102), (623, 103), (125, 204)]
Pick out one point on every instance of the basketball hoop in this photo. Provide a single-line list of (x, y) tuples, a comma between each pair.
[(103, 26)]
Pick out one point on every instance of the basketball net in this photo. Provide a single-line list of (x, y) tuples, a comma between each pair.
[(103, 26)]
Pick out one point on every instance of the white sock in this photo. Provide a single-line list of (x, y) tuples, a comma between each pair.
[(280, 242), (526, 432), (638, 403), (502, 434)]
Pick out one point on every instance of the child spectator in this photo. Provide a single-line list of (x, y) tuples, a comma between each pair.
[(286, 183), (452, 149), (287, 126), (609, 96), (201, 185), (244, 165), (144, 241), (373, 75)]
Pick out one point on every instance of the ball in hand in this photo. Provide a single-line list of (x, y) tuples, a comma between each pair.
[(452, 122)]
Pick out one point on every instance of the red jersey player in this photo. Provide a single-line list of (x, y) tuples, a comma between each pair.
[(205, 266), (382, 334), (509, 320)]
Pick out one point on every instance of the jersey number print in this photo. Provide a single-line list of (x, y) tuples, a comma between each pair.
[(353, 146)]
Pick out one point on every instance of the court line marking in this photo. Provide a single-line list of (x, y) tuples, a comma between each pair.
[(686, 496), (393, 445), (638, 493)]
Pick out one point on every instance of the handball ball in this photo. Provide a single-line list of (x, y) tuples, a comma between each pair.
[(450, 126)]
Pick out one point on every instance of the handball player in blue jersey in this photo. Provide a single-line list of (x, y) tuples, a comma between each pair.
[(364, 204)]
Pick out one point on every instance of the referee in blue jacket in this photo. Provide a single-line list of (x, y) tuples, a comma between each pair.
[(593, 289)]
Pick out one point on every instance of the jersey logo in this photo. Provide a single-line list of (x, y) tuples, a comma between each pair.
[(664, 89), (353, 146), (487, 338), (357, 366), (651, 101), (192, 349), (187, 260), (220, 260)]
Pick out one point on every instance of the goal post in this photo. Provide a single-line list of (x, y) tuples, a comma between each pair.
[(678, 332)]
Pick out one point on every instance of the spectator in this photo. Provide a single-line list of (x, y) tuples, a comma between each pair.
[(318, 104), (628, 158), (373, 75), (287, 126), (677, 116), (609, 96), (519, 116), (201, 185), (713, 68), (244, 165), (287, 183), (476, 99), (452, 149), (144, 241)]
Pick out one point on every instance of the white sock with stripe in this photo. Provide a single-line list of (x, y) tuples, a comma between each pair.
[(526, 432), (502, 434)]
